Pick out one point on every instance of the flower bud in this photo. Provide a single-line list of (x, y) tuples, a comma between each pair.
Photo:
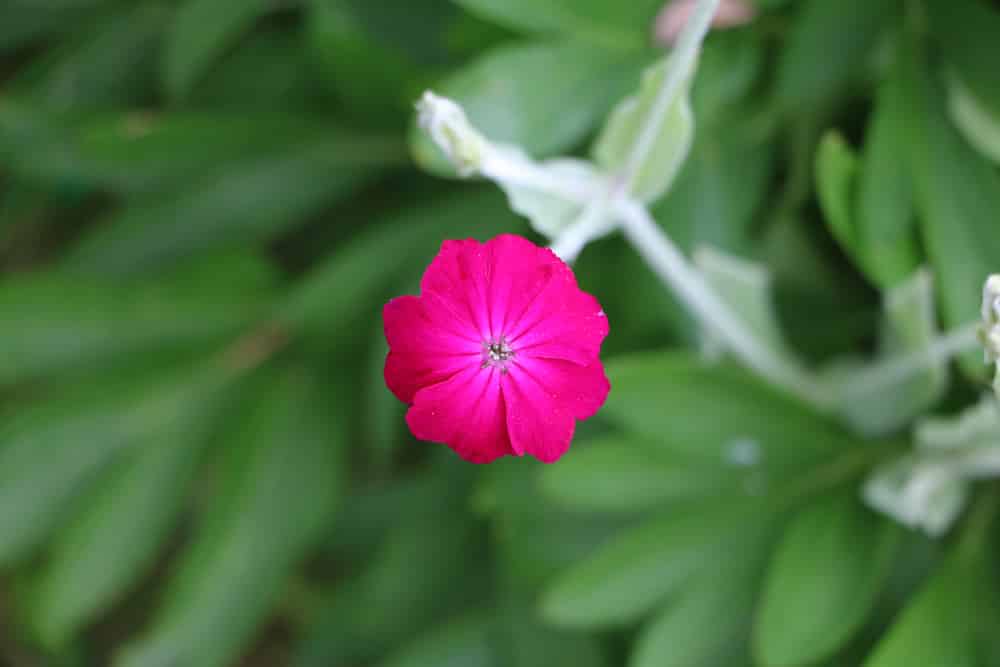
[(451, 131)]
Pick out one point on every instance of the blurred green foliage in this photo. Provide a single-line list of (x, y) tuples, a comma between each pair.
[(203, 205)]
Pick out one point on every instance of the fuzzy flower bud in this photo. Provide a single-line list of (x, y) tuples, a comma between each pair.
[(451, 131)]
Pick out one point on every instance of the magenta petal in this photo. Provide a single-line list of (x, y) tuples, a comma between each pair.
[(465, 412), (458, 276), (422, 352), (572, 329), (538, 424), (560, 321), (518, 271), (582, 390)]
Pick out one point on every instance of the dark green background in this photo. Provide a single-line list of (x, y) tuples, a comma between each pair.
[(203, 205)]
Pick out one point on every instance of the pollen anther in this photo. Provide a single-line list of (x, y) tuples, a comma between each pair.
[(497, 353)]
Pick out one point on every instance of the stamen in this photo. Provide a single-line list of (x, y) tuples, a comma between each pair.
[(497, 353)]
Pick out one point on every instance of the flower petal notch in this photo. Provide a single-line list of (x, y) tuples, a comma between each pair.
[(499, 355)]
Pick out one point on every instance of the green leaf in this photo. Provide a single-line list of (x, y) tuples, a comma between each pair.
[(270, 70), (378, 57), (369, 514), (938, 626), (280, 479), (464, 642), (957, 194), (837, 169), (236, 207), (746, 287), (427, 32), (724, 180), (52, 450), (638, 569), (623, 474), (979, 124), (804, 618), (807, 76), (115, 534), (140, 152), (967, 30), (534, 538), (716, 413), (719, 190), (553, 94), (647, 316), (21, 202), (613, 24), (338, 295), (445, 546), (521, 639), (721, 599), (730, 65), (375, 78), (108, 62), (23, 22), (886, 224), (201, 30), (824, 310), (385, 415), (909, 326), (671, 144), (54, 322)]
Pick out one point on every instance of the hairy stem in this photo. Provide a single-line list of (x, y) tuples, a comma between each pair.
[(673, 268), (884, 375), (592, 222), (682, 60)]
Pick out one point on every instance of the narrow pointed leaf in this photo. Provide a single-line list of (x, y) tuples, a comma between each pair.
[(886, 221), (53, 450), (722, 599), (200, 32), (803, 617), (464, 642), (938, 626), (637, 570), (979, 124), (670, 146), (280, 482), (624, 474), (45, 332), (957, 194), (837, 169), (716, 413), (114, 535), (250, 203)]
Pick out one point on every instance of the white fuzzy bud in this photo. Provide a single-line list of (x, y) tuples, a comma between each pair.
[(448, 126)]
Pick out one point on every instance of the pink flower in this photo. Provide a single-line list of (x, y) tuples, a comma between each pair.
[(499, 354)]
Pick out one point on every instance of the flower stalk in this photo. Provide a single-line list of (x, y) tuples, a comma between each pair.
[(673, 268), (682, 63), (602, 202)]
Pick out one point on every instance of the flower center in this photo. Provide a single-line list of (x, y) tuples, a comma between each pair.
[(497, 353)]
